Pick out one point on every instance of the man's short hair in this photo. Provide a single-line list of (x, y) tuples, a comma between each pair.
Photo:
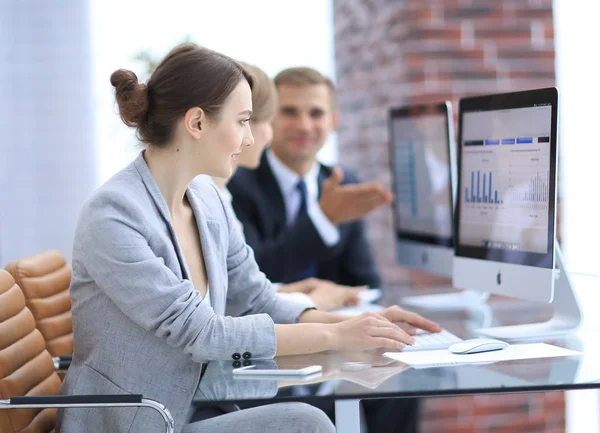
[(304, 76)]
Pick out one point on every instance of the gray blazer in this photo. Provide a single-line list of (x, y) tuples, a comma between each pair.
[(139, 325)]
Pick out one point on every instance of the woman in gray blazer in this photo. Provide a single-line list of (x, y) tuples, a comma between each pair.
[(162, 279)]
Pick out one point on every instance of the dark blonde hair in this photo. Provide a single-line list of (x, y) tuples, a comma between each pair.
[(264, 94), (304, 76), (189, 76)]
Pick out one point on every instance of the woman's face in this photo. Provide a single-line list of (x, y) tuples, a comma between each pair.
[(250, 156), (229, 134)]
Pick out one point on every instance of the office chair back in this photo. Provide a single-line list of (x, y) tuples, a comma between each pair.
[(45, 279), (26, 367)]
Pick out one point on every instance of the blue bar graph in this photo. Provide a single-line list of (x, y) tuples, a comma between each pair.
[(484, 198), (407, 182), (485, 194)]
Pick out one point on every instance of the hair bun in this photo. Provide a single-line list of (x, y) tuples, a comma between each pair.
[(124, 80), (131, 96)]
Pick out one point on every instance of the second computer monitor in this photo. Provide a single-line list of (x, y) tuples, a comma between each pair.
[(422, 161)]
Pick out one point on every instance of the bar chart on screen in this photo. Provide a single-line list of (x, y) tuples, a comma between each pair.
[(406, 192), (511, 186), (524, 189), (485, 194)]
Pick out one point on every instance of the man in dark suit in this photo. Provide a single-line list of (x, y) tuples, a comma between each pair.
[(285, 250), (303, 219)]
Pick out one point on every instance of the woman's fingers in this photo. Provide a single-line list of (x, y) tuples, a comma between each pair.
[(384, 328)]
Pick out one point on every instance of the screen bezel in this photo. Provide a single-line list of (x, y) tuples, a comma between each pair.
[(412, 111), (506, 101)]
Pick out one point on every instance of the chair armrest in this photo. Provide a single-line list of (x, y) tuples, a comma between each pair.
[(76, 401), (62, 362), (116, 399)]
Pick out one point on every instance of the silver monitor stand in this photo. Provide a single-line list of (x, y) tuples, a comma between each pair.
[(567, 316)]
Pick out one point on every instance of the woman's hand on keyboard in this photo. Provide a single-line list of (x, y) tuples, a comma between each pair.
[(369, 331), (395, 314)]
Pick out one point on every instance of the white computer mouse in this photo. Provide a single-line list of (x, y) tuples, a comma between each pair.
[(477, 345)]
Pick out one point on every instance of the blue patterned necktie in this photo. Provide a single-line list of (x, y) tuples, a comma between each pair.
[(311, 271), (301, 187)]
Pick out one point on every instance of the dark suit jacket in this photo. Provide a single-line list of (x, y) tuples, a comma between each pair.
[(283, 252)]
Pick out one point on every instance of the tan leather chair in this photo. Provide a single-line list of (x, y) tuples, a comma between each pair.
[(28, 382), (26, 367), (45, 279)]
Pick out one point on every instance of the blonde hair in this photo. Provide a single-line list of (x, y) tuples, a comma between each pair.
[(304, 76), (264, 94)]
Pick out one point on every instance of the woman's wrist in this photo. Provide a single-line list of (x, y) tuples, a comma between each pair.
[(332, 340)]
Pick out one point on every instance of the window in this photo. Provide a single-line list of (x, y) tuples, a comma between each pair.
[(267, 33)]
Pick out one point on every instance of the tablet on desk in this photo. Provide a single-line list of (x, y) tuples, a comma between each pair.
[(251, 370)]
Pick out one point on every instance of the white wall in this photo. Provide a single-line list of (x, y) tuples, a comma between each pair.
[(271, 34), (46, 129), (578, 63)]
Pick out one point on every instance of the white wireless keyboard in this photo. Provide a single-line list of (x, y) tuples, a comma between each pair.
[(432, 341)]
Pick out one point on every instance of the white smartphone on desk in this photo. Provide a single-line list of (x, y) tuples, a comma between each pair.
[(369, 296), (251, 370)]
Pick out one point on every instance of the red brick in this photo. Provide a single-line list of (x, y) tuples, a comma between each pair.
[(469, 12), (531, 13), (408, 30), (429, 98), (524, 53), (536, 74), (449, 52), (504, 407), (444, 426), (491, 32), (422, 14), (444, 408), (529, 65), (549, 30), (552, 397), (512, 424), (473, 74)]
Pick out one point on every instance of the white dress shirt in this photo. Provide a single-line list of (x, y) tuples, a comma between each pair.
[(301, 298), (288, 182)]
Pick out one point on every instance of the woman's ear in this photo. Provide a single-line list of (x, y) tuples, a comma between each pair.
[(193, 121)]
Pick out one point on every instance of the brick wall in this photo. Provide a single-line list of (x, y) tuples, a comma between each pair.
[(515, 413), (395, 52)]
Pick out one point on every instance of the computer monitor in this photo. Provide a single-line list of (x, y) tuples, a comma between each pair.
[(423, 167), (422, 159), (506, 206)]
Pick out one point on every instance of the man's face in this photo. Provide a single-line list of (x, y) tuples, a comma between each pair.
[(303, 121)]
